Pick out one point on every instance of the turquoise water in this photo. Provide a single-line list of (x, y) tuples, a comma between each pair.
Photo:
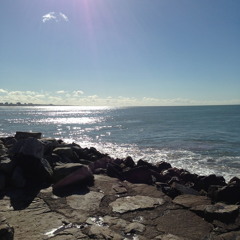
[(202, 139)]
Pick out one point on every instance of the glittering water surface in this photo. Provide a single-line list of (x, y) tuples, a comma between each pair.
[(203, 139)]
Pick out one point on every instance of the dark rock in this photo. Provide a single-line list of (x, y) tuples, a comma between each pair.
[(81, 177), (100, 163), (63, 170), (221, 212), (18, 179), (163, 166), (30, 147), (114, 170), (128, 161), (7, 165), (3, 150), (6, 231), (146, 164), (2, 181), (24, 135), (228, 194), (67, 153), (182, 189), (140, 174), (204, 182)]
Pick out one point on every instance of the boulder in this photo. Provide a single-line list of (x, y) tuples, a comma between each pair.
[(182, 189), (228, 194), (66, 153), (18, 179), (63, 170), (140, 174), (128, 161), (81, 177), (221, 212), (2, 181), (204, 182), (7, 165), (163, 166), (30, 147), (24, 135)]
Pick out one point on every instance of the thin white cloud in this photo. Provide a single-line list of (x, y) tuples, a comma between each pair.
[(63, 16), (53, 16), (49, 16), (61, 92)]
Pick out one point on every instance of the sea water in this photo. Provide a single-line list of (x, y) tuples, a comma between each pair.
[(201, 139)]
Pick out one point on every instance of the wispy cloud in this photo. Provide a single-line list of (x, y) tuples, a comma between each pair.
[(53, 16)]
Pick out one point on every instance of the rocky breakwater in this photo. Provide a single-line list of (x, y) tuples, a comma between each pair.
[(54, 190)]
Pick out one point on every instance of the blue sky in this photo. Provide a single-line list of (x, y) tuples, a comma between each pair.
[(120, 52)]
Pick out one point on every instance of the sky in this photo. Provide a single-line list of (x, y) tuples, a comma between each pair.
[(120, 52)]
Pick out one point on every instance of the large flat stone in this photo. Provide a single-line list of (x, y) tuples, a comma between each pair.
[(132, 203), (190, 201), (184, 224), (88, 202)]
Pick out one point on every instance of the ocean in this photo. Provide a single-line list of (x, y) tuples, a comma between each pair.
[(201, 139)]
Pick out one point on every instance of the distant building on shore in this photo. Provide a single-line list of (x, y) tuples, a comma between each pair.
[(23, 104)]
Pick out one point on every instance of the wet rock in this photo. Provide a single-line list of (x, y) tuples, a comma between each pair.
[(133, 203), (100, 163), (163, 166), (147, 164), (128, 161), (184, 224), (24, 135), (222, 212)]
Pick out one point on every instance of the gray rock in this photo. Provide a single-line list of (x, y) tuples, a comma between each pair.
[(135, 227), (184, 224), (169, 237), (133, 203), (101, 232), (89, 202), (228, 236), (191, 201)]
